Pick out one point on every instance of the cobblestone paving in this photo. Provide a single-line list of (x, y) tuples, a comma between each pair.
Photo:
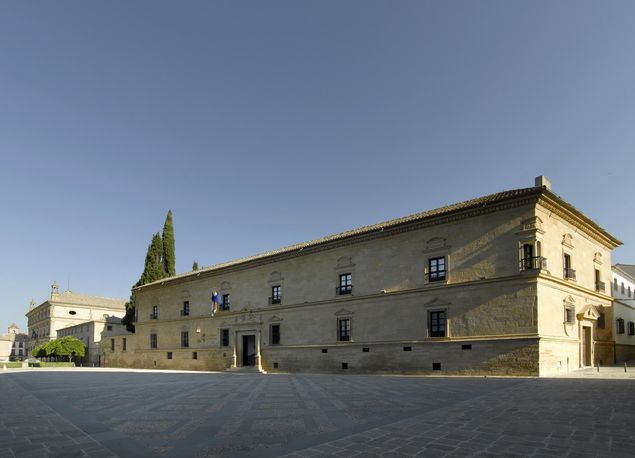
[(150, 414)]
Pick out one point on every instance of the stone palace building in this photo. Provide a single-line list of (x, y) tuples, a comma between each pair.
[(510, 283)]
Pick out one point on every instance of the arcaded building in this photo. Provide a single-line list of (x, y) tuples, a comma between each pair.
[(510, 283)]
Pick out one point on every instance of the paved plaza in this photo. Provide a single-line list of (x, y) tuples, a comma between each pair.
[(101, 413)]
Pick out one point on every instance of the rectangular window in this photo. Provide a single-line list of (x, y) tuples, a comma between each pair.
[(186, 309), (169, 355), (569, 272), (185, 339), (224, 337), (155, 312), (124, 343), (226, 304), (153, 341), (436, 269), (194, 355), (601, 321), (620, 325), (109, 328), (276, 294), (569, 314), (438, 323), (112, 344), (599, 284), (275, 334), (631, 328), (344, 329), (346, 284)]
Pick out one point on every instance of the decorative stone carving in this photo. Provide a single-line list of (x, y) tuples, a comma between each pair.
[(341, 312), (567, 240), (435, 243), (275, 318), (597, 258), (225, 286), (344, 261), (275, 277), (532, 224)]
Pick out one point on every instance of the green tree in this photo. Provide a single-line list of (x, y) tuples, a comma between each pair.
[(68, 346), (195, 265), (168, 246), (153, 270)]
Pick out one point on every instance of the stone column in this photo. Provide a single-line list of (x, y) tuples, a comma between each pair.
[(258, 365)]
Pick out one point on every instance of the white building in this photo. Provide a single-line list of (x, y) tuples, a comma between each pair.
[(623, 290)]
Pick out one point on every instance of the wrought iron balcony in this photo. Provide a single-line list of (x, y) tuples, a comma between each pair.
[(534, 263), (439, 275), (600, 286), (275, 300), (569, 273), (154, 316), (344, 289)]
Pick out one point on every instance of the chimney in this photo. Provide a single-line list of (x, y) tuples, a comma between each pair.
[(542, 182)]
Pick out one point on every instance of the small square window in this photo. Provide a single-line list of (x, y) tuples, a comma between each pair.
[(466, 347), (169, 355), (325, 350), (194, 355), (344, 365), (407, 348), (275, 365), (109, 328), (365, 349), (436, 366)]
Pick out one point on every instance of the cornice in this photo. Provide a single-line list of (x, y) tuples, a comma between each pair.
[(552, 203)]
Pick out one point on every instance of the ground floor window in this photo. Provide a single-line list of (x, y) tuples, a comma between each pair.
[(275, 334), (438, 323), (224, 337), (344, 329)]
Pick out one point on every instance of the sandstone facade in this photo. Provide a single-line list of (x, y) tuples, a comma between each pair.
[(504, 284)]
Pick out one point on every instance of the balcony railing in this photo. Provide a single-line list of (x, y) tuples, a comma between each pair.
[(600, 286), (344, 289), (275, 300), (569, 273), (154, 316), (185, 313), (439, 275), (535, 263)]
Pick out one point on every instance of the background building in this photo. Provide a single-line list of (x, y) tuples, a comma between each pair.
[(509, 283), (623, 290), (67, 309), (18, 350)]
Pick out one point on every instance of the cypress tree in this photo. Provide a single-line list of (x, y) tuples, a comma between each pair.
[(168, 246), (195, 265), (152, 271)]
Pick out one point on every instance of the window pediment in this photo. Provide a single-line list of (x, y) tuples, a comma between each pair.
[(567, 240), (343, 312), (436, 302)]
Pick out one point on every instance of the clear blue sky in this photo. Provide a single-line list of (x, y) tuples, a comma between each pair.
[(262, 124)]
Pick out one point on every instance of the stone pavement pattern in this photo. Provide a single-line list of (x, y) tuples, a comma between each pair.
[(150, 414)]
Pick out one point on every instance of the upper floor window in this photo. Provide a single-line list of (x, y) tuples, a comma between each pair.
[(622, 287), (438, 323), (226, 304), (631, 328), (619, 325), (344, 329), (276, 295), (275, 334), (123, 344), (185, 339), (153, 341), (615, 286), (185, 311), (599, 284), (155, 312), (569, 272), (437, 269), (569, 314), (629, 291), (346, 284)]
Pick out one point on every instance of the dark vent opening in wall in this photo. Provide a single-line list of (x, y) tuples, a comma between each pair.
[(275, 365), (325, 350), (72, 312), (407, 348), (466, 347), (344, 365), (436, 366), (365, 349)]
